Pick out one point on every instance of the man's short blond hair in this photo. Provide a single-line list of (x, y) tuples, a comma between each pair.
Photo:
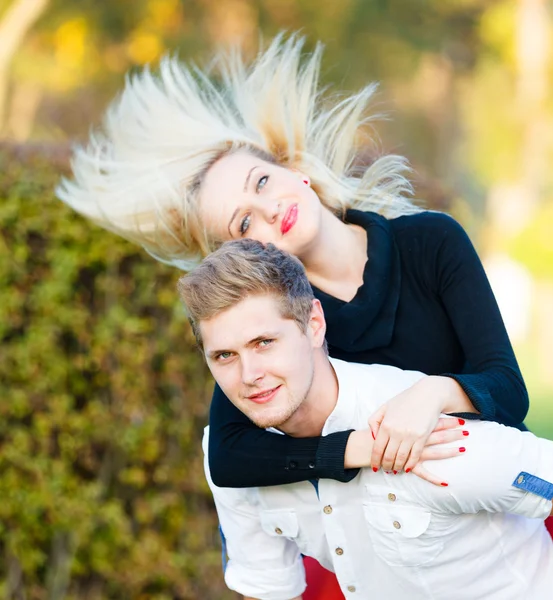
[(244, 268)]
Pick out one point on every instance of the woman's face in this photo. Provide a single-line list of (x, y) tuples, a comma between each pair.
[(245, 196)]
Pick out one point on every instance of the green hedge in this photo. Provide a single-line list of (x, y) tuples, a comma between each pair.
[(103, 399)]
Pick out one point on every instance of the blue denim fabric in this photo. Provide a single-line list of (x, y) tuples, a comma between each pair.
[(315, 484), (224, 555), (534, 485)]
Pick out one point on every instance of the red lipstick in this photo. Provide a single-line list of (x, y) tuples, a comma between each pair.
[(289, 219)]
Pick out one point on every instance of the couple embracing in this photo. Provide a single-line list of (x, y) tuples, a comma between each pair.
[(187, 163)]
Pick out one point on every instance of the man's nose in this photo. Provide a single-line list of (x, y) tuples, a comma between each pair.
[(252, 371)]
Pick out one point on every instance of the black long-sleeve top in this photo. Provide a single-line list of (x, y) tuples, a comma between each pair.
[(425, 304)]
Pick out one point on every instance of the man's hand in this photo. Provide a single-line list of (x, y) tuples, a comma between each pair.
[(402, 426)]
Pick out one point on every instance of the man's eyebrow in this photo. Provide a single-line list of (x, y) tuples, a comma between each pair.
[(267, 335)]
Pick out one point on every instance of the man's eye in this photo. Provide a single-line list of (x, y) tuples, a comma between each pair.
[(265, 343), (245, 224), (261, 183), (223, 356)]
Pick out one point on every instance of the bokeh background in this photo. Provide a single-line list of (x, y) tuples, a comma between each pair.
[(102, 395)]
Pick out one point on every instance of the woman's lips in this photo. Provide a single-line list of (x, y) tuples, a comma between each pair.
[(289, 219), (264, 397)]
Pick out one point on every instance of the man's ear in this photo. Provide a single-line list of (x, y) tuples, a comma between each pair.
[(317, 324)]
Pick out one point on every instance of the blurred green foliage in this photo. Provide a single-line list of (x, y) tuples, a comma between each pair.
[(102, 404)]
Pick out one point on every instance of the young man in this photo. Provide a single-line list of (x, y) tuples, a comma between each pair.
[(385, 536)]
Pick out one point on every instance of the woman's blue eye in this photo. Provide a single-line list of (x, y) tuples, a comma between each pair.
[(261, 183), (245, 224)]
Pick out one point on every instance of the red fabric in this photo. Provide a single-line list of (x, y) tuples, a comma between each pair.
[(321, 584), (549, 525)]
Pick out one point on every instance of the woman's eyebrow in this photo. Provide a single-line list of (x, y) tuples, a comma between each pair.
[(231, 220), (248, 177)]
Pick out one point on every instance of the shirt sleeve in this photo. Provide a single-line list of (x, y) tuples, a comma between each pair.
[(492, 379), (503, 470), (243, 455), (259, 565)]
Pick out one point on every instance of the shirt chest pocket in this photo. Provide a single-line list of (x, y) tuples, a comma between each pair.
[(400, 532), (280, 523)]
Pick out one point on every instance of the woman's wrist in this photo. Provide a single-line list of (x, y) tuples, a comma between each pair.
[(359, 449), (451, 395)]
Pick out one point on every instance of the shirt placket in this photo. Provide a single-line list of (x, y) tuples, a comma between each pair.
[(342, 551)]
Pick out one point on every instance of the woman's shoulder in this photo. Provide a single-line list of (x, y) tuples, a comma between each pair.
[(424, 222), (429, 230)]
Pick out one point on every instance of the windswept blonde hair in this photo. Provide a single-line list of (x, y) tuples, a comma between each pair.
[(140, 176)]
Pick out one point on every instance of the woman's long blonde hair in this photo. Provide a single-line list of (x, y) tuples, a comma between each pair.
[(140, 175)]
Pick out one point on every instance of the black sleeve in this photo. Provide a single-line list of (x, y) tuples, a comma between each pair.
[(243, 455), (492, 379)]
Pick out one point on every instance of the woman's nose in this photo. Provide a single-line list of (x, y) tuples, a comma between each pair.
[(271, 211)]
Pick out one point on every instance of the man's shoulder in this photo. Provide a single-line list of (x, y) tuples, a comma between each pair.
[(375, 374)]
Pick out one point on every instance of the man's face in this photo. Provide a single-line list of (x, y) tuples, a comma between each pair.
[(263, 362)]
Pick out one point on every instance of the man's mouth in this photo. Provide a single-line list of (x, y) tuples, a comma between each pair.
[(265, 396), (289, 219)]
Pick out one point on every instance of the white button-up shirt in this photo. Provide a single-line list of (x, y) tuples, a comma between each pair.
[(395, 537)]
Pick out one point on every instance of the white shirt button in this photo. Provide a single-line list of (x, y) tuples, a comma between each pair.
[(278, 531), (351, 588), (339, 551), (397, 524), (327, 510), (392, 497)]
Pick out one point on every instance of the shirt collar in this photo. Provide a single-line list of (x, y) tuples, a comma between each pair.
[(342, 417)]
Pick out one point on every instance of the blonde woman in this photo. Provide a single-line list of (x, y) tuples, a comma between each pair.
[(189, 159)]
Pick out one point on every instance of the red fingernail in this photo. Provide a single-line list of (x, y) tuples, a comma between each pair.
[(375, 469), (444, 484), (462, 449), (461, 421), (395, 472), (407, 470), (375, 438), (465, 432)]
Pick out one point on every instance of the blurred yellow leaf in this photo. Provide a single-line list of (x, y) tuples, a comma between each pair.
[(70, 42), (144, 47)]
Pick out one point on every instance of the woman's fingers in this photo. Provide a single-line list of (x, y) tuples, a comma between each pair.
[(448, 423), (421, 472), (391, 452), (436, 453), (379, 447), (376, 419), (414, 456), (446, 435), (402, 456)]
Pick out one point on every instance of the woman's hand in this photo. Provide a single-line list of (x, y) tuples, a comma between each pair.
[(402, 426), (360, 444)]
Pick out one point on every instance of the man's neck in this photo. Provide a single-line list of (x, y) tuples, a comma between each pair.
[(309, 419)]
